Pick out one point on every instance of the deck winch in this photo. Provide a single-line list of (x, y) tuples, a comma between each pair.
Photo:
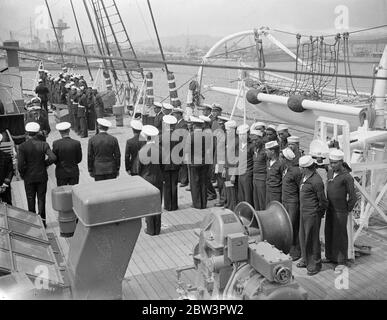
[(243, 255)]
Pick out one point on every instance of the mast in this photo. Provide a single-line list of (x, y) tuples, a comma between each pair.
[(157, 35), (80, 37), (56, 35)]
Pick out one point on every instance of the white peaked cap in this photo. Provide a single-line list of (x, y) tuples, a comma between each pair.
[(168, 119), (150, 131), (136, 124), (243, 128), (32, 127), (104, 122), (167, 106), (256, 125), (271, 144), (293, 139), (225, 119), (336, 155), (306, 161), (282, 127), (272, 126), (158, 104), (63, 126), (196, 120), (258, 133), (230, 124), (288, 154), (176, 110), (205, 118)]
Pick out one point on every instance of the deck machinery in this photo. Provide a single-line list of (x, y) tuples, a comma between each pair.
[(243, 255)]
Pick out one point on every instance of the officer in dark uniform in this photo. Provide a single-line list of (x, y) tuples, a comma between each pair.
[(40, 116), (68, 155), (230, 171), (211, 192), (133, 146), (6, 175), (216, 111), (245, 165), (341, 200), (259, 170), (197, 166), (181, 128), (152, 172), (313, 204), (170, 165), (82, 113), (42, 91), (273, 173), (158, 121), (90, 108), (291, 182), (104, 156), (32, 164)]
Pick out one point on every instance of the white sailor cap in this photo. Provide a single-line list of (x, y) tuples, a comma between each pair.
[(272, 127), (288, 154), (177, 110), (82, 88), (40, 81), (167, 106), (73, 87), (33, 108), (103, 122), (306, 161), (258, 133), (63, 126), (282, 127), (35, 100), (336, 155), (68, 86), (136, 125), (1, 137), (32, 127), (205, 118), (230, 124), (216, 106), (224, 119), (257, 125), (168, 119), (293, 139), (243, 129), (196, 120), (149, 131), (158, 104), (271, 144)]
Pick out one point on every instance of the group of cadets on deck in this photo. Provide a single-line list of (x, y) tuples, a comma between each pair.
[(275, 170)]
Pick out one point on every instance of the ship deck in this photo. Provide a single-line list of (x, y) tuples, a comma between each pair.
[(151, 274)]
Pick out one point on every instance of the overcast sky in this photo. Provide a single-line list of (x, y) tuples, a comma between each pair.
[(202, 17)]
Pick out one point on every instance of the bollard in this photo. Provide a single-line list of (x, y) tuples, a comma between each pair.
[(109, 214), (118, 111), (62, 202)]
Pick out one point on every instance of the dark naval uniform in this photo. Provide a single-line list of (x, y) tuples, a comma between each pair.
[(245, 170), (42, 91), (68, 154), (133, 146), (259, 179), (313, 204), (198, 172), (32, 165), (291, 181), (341, 200), (104, 157), (274, 181), (6, 175), (153, 173), (158, 121), (183, 173), (170, 174)]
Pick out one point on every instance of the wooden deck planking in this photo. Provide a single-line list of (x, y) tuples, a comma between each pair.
[(151, 273)]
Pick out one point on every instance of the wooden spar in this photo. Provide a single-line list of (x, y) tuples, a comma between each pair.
[(56, 35), (80, 37)]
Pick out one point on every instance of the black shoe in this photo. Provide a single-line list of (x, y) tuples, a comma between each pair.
[(313, 272), (295, 258), (301, 264)]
